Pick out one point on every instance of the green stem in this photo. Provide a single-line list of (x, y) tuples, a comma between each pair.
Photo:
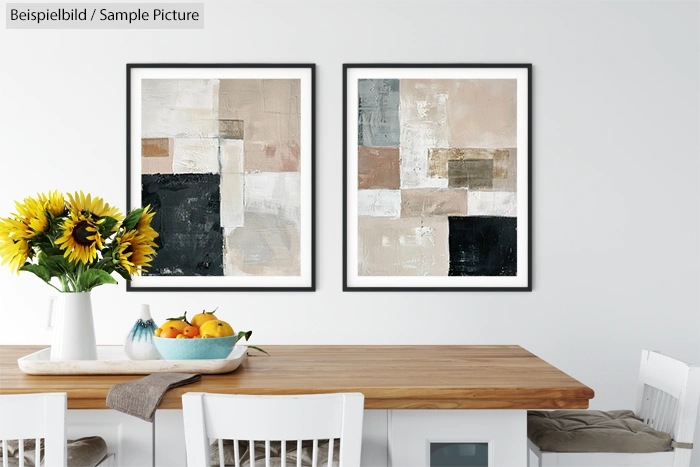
[(73, 281), (54, 287), (80, 270)]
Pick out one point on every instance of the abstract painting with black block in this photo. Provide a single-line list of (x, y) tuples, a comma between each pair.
[(437, 177)]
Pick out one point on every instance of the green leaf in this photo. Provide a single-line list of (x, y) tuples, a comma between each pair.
[(132, 219), (57, 265), (108, 224), (180, 318), (94, 277), (42, 272), (258, 349), (122, 272), (245, 334), (51, 251)]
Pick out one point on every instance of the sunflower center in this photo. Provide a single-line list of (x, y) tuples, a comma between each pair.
[(81, 234)]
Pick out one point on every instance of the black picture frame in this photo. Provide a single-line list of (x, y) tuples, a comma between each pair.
[(526, 288), (311, 287)]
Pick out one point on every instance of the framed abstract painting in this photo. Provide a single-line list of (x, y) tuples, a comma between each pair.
[(437, 177), (224, 154)]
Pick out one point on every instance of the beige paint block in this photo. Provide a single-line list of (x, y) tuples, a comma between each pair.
[(479, 113), (270, 110), (231, 201), (156, 147), (493, 203), (482, 112), (232, 183), (510, 182), (428, 202), (196, 155), (156, 155), (157, 165), (182, 108), (231, 155), (267, 245), (403, 247), (378, 167)]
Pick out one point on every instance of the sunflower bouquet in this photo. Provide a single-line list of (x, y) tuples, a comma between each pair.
[(78, 240)]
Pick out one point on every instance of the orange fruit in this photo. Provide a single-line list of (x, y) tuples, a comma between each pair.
[(201, 318), (190, 331), (216, 328), (170, 332), (157, 332), (175, 323)]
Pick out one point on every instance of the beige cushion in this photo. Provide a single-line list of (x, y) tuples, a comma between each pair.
[(83, 452), (593, 431)]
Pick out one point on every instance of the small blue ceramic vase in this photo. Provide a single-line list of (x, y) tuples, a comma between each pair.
[(139, 344)]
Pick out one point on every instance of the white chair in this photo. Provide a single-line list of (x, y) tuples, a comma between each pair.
[(273, 419), (668, 393), (37, 417)]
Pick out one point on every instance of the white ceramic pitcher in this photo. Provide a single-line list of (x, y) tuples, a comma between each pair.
[(73, 327)]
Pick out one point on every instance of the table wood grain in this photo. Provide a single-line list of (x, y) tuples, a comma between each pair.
[(390, 377)]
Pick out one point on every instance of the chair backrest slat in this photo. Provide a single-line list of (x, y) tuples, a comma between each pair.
[(221, 453), (330, 452), (35, 416), (668, 392), (314, 454), (236, 453), (21, 453), (268, 419), (659, 408), (5, 455), (299, 453)]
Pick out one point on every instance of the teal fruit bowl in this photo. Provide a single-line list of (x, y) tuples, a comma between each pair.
[(195, 349)]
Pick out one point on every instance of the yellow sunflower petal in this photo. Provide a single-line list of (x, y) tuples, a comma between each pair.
[(81, 239)]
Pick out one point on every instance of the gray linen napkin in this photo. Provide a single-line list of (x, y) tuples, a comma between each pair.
[(141, 397), (83, 452)]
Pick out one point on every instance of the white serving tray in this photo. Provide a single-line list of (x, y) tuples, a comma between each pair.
[(111, 360)]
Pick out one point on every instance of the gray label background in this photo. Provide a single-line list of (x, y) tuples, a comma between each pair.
[(96, 23)]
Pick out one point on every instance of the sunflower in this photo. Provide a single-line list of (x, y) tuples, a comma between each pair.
[(53, 202), (81, 239), (144, 225), (134, 252), (89, 206), (32, 214), (14, 249)]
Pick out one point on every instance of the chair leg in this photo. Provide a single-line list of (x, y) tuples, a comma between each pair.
[(532, 449), (548, 459)]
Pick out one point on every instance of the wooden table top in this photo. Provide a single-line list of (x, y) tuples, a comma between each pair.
[(390, 377)]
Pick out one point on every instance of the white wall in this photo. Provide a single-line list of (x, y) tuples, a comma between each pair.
[(616, 171)]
